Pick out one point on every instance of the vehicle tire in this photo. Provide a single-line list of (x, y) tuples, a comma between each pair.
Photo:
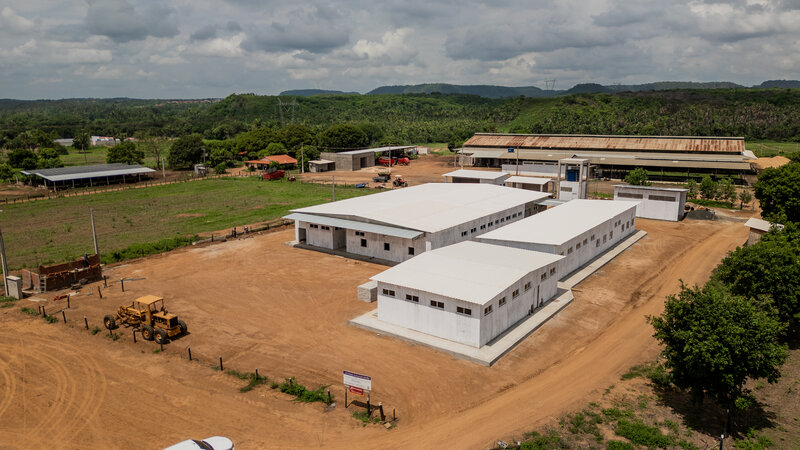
[(161, 336), (182, 324), (109, 322), (147, 332)]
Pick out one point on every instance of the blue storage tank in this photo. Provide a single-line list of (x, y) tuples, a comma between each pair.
[(572, 175)]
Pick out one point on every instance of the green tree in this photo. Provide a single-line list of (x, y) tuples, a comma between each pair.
[(48, 159), (691, 185), (81, 141), (715, 341), (745, 197), (185, 151), (769, 269), (295, 136), (22, 158), (708, 188), (254, 141), (373, 131), (221, 168), (778, 192), (343, 137), (637, 177), (153, 146), (6, 172), (274, 148), (726, 191), (126, 152), (220, 152)]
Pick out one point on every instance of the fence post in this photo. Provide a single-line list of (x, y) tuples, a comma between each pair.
[(86, 322), (220, 364), (64, 316), (68, 302), (383, 416), (189, 349), (99, 292), (122, 282), (44, 314)]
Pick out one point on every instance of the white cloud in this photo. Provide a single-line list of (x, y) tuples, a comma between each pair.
[(14, 22)]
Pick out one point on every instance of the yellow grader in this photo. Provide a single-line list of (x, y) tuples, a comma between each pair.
[(148, 312)]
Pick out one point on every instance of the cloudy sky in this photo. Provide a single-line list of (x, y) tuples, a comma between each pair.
[(212, 48)]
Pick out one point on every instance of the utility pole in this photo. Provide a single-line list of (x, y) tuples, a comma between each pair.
[(94, 233), (302, 158), (333, 187), (5, 266)]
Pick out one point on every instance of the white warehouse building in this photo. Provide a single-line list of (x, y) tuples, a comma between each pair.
[(579, 230), (654, 202), (398, 224), (467, 292)]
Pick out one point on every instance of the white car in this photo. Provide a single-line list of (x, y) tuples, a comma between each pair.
[(212, 443)]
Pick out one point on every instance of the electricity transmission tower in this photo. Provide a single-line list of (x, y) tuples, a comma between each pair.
[(550, 85), (291, 107)]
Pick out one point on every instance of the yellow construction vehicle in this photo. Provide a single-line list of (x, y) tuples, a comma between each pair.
[(148, 312)]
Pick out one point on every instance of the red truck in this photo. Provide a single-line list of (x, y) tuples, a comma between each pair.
[(386, 161), (276, 175)]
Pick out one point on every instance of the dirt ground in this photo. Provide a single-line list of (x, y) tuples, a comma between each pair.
[(425, 169), (260, 303)]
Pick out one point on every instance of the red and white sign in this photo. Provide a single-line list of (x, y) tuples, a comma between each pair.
[(355, 390)]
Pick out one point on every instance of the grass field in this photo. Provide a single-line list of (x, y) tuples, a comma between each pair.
[(97, 155), (51, 231), (771, 148)]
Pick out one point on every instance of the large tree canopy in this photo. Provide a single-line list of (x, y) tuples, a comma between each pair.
[(778, 192), (126, 152), (715, 341), (185, 151), (343, 137)]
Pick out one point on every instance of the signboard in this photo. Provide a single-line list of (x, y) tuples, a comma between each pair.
[(357, 380), (355, 390), (510, 149)]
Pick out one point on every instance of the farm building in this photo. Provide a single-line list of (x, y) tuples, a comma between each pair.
[(285, 162), (355, 159), (758, 227), (66, 177), (475, 176), (579, 230), (610, 156), (661, 203), (467, 292), (530, 183), (399, 224)]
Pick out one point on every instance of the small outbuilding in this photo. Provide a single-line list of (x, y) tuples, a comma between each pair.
[(359, 159), (579, 230), (467, 292), (653, 202), (529, 183), (321, 165), (758, 227), (285, 162), (475, 176)]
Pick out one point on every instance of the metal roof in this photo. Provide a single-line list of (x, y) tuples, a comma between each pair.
[(476, 174), (376, 150), (355, 225), (84, 172), (649, 188), (320, 161), (428, 207), (559, 224), (528, 180), (609, 142), (761, 224), (609, 157), (468, 271)]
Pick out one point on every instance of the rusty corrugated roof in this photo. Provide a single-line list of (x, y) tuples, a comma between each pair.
[(619, 143)]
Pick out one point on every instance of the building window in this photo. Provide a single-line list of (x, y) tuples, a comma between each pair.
[(412, 298), (487, 310), (592, 237), (629, 195), (662, 198), (585, 241), (324, 227), (491, 224), (604, 239), (515, 294), (527, 286), (463, 233), (465, 311), (388, 292), (386, 246), (363, 242), (502, 301), (597, 242), (508, 217), (552, 271), (483, 227), (577, 246), (411, 251), (313, 225), (502, 220), (436, 304), (359, 233), (611, 235), (544, 276), (569, 251), (473, 230), (623, 227)]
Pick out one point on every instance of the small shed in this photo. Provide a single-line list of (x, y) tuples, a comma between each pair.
[(529, 183), (660, 203), (285, 161), (476, 176), (758, 227), (320, 165)]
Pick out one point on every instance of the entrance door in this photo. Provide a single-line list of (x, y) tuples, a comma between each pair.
[(301, 235)]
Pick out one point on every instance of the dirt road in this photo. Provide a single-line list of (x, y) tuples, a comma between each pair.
[(260, 303)]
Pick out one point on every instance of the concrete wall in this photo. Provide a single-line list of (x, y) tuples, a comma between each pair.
[(653, 203), (349, 161), (597, 240), (570, 190), (477, 329), (375, 245), (323, 236), (468, 230)]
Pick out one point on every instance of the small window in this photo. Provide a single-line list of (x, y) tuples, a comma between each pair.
[(552, 271), (502, 220), (597, 242), (483, 227), (569, 251), (604, 239), (577, 246), (473, 230), (611, 235), (528, 285), (585, 241), (411, 251), (436, 304), (336, 228), (313, 226), (465, 311), (363, 242), (562, 253), (412, 298), (508, 217), (491, 224), (325, 227), (359, 233), (463, 233), (487, 310), (388, 292), (386, 246), (544, 276), (515, 294), (592, 237), (502, 301), (623, 227)]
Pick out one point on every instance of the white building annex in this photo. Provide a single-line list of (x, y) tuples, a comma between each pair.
[(653, 202), (467, 292), (579, 230), (476, 176), (398, 224)]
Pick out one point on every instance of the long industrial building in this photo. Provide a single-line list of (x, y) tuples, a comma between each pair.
[(579, 230), (398, 224), (610, 156), (468, 292)]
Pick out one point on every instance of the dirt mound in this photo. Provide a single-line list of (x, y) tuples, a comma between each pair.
[(772, 162)]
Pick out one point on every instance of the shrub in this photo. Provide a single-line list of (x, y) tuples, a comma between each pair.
[(536, 441), (619, 445), (253, 380), (221, 168), (292, 387), (29, 311), (641, 434), (140, 250)]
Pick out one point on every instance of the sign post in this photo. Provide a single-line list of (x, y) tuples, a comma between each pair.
[(511, 150), (357, 384)]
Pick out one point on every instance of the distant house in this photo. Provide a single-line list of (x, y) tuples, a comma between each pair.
[(758, 227), (66, 142), (285, 161), (103, 140)]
